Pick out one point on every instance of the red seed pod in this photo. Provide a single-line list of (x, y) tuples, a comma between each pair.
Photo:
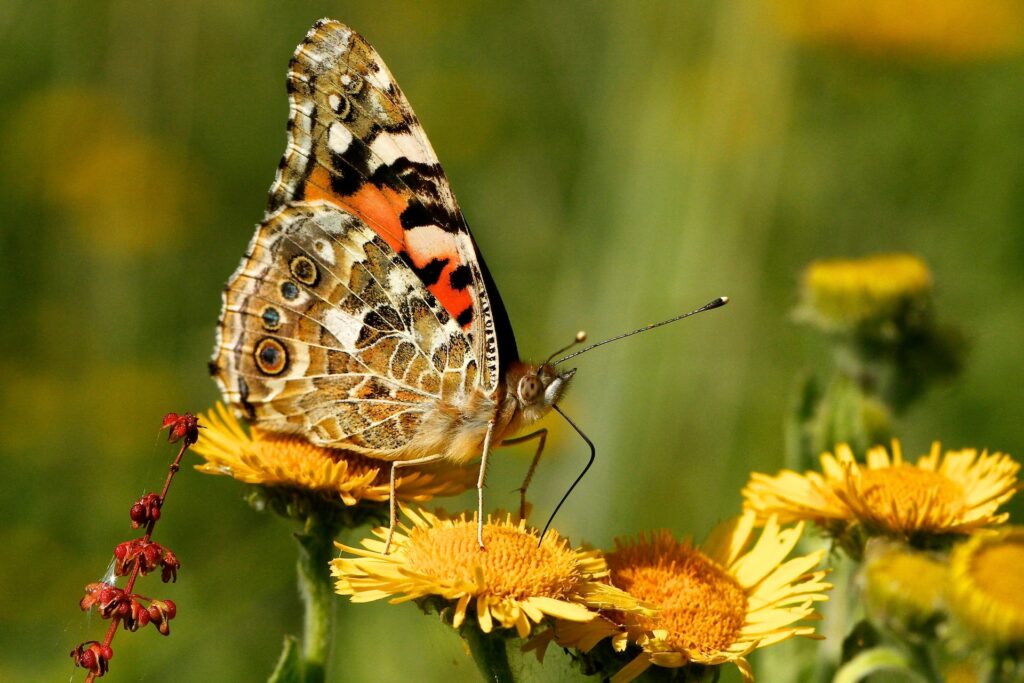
[(147, 554), (139, 516), (185, 426), (160, 614), (121, 551), (87, 659), (92, 594), (171, 565), (137, 617), (149, 557), (113, 602), (145, 510), (125, 556), (92, 656)]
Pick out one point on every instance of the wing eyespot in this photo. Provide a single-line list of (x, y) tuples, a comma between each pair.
[(304, 270), (271, 318), (271, 356), (289, 290)]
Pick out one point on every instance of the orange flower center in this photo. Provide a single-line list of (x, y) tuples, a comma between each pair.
[(996, 571), (907, 492), (512, 565), (701, 605)]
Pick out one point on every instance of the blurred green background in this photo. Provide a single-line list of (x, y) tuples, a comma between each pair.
[(619, 163)]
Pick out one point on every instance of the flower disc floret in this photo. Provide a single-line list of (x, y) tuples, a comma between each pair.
[(955, 492), (715, 604), (515, 583), (987, 586)]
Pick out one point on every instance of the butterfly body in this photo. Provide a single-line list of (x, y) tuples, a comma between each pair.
[(362, 316)]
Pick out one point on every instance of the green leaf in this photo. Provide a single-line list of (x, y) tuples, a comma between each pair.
[(875, 660), (289, 665)]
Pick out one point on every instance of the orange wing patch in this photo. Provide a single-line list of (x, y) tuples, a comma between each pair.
[(379, 208), (429, 250)]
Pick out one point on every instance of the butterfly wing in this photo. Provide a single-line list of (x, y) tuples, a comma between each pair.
[(326, 332), (354, 141)]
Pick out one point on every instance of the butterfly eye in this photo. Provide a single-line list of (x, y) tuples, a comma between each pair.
[(271, 356), (529, 388)]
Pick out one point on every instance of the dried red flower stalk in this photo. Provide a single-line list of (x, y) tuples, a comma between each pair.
[(133, 558)]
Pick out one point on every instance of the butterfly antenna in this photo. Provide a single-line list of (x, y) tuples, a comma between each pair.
[(581, 337), (720, 301), (593, 454)]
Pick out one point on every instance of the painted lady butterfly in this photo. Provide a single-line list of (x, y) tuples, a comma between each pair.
[(362, 316)]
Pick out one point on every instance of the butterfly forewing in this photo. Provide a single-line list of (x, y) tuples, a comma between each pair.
[(354, 141)]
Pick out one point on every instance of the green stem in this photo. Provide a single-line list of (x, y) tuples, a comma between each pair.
[(490, 654), (315, 552), (924, 663)]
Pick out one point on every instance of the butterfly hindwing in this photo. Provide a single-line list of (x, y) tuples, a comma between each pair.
[(326, 332), (354, 141)]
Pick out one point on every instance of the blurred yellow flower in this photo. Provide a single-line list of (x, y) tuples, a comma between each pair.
[(987, 585), (903, 585), (716, 605), (962, 672), (124, 191), (955, 493), (951, 30), (514, 583), (845, 293), (272, 460)]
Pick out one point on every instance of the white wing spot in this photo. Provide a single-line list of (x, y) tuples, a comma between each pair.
[(324, 251), (339, 138), (344, 327)]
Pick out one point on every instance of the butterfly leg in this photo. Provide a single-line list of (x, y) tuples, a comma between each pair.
[(391, 492), (541, 435), (480, 485)]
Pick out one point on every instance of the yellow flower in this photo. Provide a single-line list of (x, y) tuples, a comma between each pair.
[(987, 586), (716, 605), (514, 583), (902, 585), (962, 672), (272, 460), (845, 293), (938, 495), (126, 192), (945, 29)]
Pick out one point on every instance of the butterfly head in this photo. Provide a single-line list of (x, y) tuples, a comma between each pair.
[(538, 387)]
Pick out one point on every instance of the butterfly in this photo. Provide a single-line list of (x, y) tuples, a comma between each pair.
[(362, 316)]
